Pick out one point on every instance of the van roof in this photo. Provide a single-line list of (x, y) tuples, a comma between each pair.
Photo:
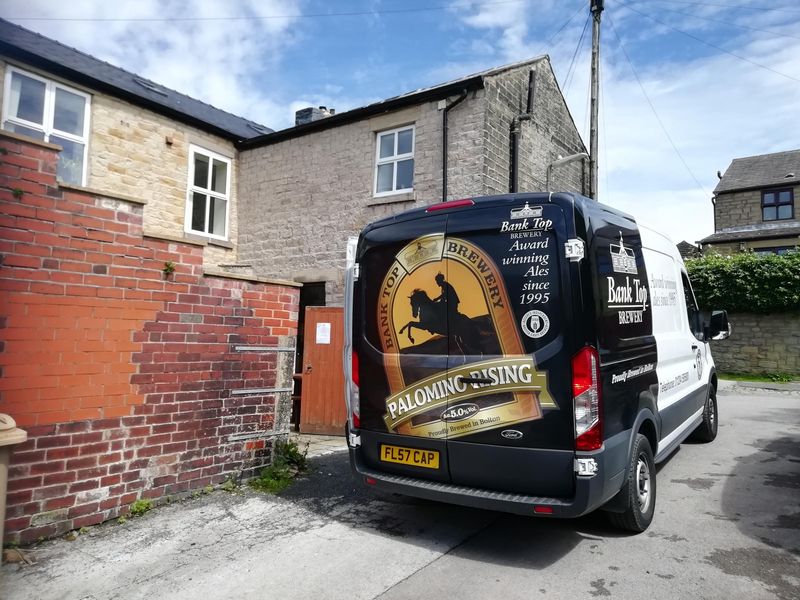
[(585, 205)]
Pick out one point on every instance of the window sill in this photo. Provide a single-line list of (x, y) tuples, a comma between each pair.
[(391, 199), (205, 240), (220, 243)]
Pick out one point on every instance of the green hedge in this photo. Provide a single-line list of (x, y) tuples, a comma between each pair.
[(747, 282)]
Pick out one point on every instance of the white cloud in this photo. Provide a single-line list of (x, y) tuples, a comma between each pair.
[(714, 106)]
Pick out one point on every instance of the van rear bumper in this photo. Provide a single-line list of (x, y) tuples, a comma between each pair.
[(590, 492)]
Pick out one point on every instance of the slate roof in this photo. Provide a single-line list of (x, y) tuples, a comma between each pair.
[(754, 232), (761, 171), (73, 65), (687, 250), (436, 92)]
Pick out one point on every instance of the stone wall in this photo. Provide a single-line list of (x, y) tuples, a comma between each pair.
[(141, 154), (549, 134), (760, 344), (132, 379), (301, 198), (744, 208)]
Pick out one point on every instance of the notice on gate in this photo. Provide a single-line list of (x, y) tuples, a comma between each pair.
[(323, 333)]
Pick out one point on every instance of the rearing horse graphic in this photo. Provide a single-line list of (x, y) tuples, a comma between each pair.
[(432, 317)]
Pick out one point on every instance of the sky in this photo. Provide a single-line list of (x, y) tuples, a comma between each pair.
[(685, 87)]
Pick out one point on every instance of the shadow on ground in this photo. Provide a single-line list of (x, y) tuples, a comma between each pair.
[(511, 540), (760, 495)]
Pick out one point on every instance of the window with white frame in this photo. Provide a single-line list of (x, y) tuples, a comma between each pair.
[(51, 112), (208, 196), (394, 161)]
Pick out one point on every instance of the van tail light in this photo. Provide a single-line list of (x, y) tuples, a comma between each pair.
[(355, 407), (449, 204), (587, 399)]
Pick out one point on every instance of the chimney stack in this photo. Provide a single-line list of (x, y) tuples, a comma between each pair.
[(307, 115)]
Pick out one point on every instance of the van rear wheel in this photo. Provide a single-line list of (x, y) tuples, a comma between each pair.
[(707, 430), (639, 488)]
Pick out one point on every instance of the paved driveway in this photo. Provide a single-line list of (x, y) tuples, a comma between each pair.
[(727, 526)]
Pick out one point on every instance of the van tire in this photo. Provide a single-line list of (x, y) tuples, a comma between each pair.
[(639, 489), (707, 430)]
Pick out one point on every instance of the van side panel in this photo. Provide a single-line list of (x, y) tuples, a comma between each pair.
[(682, 385)]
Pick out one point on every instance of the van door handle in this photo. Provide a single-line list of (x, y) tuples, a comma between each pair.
[(694, 346), (463, 379)]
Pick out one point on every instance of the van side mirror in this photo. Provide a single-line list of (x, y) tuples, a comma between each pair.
[(717, 327)]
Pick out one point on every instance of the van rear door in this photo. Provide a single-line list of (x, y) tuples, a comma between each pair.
[(400, 339), (509, 420)]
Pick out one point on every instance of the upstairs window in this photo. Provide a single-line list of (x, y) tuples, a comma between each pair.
[(209, 193), (394, 161), (51, 112), (777, 205)]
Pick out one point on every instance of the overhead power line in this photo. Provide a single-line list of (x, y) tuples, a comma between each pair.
[(355, 13), (702, 41), (732, 24), (549, 40), (652, 106), (570, 71), (736, 6)]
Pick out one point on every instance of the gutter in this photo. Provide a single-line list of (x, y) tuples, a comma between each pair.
[(358, 114), (446, 110), (71, 75)]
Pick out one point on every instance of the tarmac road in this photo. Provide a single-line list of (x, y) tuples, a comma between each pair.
[(727, 526)]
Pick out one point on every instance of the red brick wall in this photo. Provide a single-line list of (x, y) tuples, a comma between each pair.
[(128, 380)]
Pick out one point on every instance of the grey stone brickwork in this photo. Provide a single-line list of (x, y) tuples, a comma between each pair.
[(760, 344), (548, 135), (744, 208), (301, 198)]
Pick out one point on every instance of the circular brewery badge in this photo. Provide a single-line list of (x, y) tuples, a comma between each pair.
[(535, 324)]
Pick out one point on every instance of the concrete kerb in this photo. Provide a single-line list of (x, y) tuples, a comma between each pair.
[(731, 385)]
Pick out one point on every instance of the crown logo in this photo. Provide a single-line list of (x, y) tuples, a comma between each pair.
[(526, 211), (623, 259)]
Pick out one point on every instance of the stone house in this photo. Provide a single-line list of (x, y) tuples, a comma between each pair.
[(306, 189), (127, 137), (755, 210), (754, 205)]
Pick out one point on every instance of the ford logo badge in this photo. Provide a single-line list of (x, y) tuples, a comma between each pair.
[(460, 412), (511, 434)]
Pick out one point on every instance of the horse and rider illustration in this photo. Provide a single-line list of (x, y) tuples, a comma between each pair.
[(433, 316)]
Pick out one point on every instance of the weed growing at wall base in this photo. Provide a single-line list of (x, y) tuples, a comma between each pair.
[(141, 506), (287, 464)]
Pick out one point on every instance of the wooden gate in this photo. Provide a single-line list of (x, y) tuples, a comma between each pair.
[(322, 406)]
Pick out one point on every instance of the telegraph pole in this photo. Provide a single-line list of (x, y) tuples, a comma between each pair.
[(596, 6)]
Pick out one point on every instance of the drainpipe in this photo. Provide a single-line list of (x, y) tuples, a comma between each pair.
[(446, 110), (516, 132), (560, 162), (714, 204)]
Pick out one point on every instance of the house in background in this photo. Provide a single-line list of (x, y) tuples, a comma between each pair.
[(125, 136), (754, 205), (306, 189), (687, 250)]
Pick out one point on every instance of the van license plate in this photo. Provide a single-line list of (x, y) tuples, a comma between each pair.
[(410, 456)]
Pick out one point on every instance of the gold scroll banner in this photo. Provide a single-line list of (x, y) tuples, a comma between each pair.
[(437, 392)]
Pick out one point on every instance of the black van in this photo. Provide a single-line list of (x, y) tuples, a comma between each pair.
[(530, 353)]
